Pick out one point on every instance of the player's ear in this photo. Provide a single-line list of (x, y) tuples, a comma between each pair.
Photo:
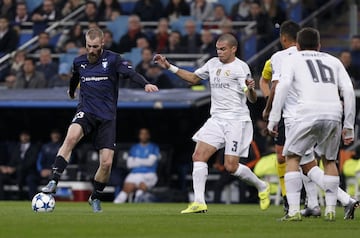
[(319, 47), (298, 46)]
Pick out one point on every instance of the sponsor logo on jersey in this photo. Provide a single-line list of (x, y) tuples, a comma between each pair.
[(227, 73), (96, 79), (218, 72), (83, 66)]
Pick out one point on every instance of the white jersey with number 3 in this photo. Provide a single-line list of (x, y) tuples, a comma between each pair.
[(227, 84), (317, 79)]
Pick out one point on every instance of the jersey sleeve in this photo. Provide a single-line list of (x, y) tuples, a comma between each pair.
[(244, 74), (282, 90), (203, 72), (275, 64), (267, 71), (347, 92), (124, 68)]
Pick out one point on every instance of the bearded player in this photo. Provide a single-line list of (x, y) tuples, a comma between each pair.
[(98, 72)]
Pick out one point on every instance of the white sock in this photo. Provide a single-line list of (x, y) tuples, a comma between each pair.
[(244, 173), (200, 172), (317, 175), (331, 184), (121, 197), (293, 184), (311, 191), (138, 194)]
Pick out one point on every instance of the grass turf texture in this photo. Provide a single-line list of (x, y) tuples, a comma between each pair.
[(164, 220)]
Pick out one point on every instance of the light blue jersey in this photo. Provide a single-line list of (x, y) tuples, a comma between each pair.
[(143, 152)]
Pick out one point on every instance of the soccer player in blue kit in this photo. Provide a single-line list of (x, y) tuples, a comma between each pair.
[(98, 72)]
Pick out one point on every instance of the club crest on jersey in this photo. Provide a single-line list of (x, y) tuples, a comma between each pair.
[(227, 73), (218, 72), (104, 65)]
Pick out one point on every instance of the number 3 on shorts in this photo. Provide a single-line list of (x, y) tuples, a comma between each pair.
[(235, 146)]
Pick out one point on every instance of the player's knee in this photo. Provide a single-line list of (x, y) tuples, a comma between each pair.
[(106, 165), (197, 156), (70, 141), (231, 167)]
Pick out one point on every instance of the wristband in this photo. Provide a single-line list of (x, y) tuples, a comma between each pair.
[(173, 69)]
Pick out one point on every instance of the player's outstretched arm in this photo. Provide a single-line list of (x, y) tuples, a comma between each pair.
[(269, 101), (148, 87), (183, 74)]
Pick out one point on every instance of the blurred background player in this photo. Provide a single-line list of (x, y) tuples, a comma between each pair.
[(142, 161), (99, 71), (230, 124), (318, 117)]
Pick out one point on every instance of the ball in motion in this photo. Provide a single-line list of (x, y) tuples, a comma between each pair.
[(43, 203)]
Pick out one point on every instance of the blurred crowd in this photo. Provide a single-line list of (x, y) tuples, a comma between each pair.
[(46, 63)]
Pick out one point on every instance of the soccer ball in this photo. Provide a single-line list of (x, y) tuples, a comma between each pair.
[(43, 203)]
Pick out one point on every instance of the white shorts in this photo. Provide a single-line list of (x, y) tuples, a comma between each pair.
[(324, 134), (309, 155), (149, 179), (234, 135)]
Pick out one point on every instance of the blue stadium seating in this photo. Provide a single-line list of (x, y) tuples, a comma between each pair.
[(24, 37), (228, 4), (33, 4), (118, 27), (249, 47), (179, 24), (127, 7)]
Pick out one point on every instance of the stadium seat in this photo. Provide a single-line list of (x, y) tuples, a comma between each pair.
[(228, 4), (179, 25), (118, 27), (32, 5), (249, 47), (127, 7), (164, 166), (296, 12), (24, 37)]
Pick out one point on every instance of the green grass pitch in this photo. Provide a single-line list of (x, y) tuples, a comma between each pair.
[(76, 220)]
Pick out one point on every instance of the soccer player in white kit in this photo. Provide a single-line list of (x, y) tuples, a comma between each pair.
[(230, 124), (316, 78)]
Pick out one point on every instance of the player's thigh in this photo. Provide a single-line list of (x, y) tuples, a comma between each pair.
[(134, 178), (329, 140), (74, 134), (301, 137), (150, 180), (238, 137), (209, 138), (105, 136), (211, 133)]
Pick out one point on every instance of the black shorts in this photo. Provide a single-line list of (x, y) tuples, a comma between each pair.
[(280, 139), (104, 130)]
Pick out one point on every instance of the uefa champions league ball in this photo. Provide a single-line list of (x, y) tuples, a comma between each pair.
[(43, 203)]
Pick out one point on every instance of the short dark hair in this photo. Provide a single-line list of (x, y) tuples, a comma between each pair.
[(308, 38), (290, 29), (30, 59), (231, 39)]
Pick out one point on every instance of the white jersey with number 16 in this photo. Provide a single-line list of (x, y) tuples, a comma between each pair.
[(317, 78)]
